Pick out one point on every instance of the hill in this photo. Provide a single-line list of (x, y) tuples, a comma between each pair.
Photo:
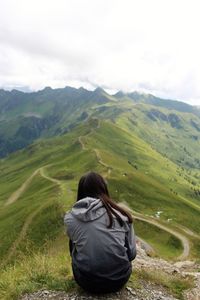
[(145, 151), (25, 117), (171, 127)]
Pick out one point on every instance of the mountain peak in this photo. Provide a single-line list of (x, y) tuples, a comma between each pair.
[(82, 89), (135, 93), (15, 91), (47, 88), (119, 94), (99, 90)]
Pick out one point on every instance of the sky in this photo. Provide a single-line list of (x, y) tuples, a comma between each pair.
[(151, 46)]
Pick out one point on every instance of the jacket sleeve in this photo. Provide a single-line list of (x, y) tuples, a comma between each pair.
[(68, 232), (70, 247), (67, 224), (130, 243)]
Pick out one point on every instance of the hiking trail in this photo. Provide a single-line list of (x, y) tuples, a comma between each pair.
[(185, 242), (14, 197)]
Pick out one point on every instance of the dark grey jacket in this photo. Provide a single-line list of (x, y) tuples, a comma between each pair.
[(98, 250)]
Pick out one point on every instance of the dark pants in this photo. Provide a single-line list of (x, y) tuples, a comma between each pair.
[(98, 285)]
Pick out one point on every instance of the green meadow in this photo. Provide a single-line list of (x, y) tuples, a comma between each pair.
[(38, 185)]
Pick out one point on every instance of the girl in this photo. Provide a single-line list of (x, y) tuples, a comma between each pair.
[(102, 241)]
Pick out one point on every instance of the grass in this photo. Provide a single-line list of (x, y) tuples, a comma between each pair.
[(146, 188), (51, 269), (165, 244), (37, 271), (142, 188), (35, 197)]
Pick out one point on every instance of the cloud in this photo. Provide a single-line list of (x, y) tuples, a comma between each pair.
[(150, 46)]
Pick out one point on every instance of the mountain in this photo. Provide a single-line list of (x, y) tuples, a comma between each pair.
[(25, 117), (147, 151)]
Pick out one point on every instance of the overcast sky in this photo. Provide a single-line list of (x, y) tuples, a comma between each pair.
[(151, 46)]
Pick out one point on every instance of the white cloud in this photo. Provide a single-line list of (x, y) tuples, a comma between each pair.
[(150, 46)]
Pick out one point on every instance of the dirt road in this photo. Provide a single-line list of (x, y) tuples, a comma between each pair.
[(184, 240), (21, 190)]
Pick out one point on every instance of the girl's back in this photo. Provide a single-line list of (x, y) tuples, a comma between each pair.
[(102, 241), (98, 250)]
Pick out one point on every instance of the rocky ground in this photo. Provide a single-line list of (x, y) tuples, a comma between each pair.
[(183, 268), (146, 291)]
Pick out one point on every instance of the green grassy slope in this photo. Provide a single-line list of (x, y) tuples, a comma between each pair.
[(31, 227), (172, 133), (171, 127), (132, 167)]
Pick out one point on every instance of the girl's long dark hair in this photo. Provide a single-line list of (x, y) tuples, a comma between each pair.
[(93, 185)]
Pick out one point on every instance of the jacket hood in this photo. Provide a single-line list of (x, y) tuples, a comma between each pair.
[(88, 209)]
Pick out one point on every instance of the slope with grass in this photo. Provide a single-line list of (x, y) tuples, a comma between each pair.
[(126, 174), (38, 184), (172, 127)]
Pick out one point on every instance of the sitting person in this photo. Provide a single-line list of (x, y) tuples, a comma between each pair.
[(102, 241)]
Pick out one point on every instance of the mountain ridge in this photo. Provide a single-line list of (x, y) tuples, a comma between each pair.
[(119, 93), (25, 117)]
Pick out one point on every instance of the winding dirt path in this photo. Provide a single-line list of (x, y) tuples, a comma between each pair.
[(16, 194), (100, 161), (184, 240), (22, 233), (45, 176), (61, 184), (30, 218), (81, 142), (87, 134), (188, 231), (21, 189), (96, 151)]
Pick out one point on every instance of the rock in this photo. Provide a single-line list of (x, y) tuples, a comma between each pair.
[(131, 291), (184, 264)]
